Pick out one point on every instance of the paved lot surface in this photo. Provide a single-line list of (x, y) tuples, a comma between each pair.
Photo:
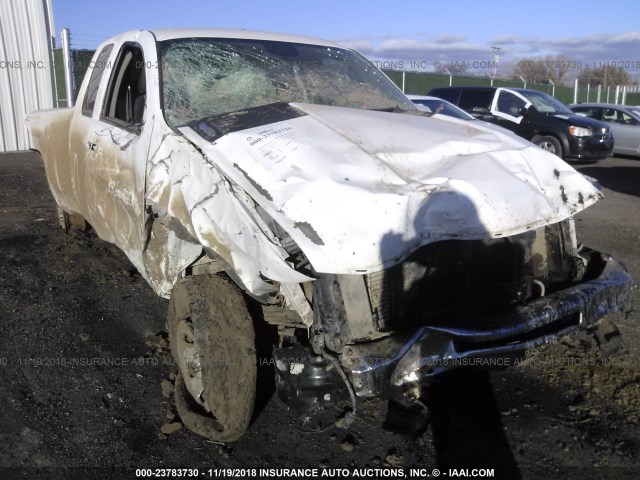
[(85, 374)]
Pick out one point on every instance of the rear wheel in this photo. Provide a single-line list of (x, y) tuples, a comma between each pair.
[(212, 339), (550, 144)]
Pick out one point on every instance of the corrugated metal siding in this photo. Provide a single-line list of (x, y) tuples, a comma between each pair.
[(26, 68)]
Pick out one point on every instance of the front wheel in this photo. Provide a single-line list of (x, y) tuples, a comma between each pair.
[(550, 144), (212, 339)]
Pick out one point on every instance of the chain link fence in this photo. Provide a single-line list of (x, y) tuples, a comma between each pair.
[(81, 62)]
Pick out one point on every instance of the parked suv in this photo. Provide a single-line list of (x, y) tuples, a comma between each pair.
[(535, 116)]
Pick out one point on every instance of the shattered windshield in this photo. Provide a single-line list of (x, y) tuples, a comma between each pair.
[(204, 77)]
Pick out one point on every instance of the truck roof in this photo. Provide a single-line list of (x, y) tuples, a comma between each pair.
[(173, 33)]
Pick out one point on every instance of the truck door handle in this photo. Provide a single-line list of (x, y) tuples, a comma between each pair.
[(92, 146)]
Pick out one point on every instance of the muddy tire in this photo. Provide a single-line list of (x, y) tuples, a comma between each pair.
[(212, 339), (550, 144)]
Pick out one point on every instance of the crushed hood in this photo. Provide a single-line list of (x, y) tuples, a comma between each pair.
[(359, 190)]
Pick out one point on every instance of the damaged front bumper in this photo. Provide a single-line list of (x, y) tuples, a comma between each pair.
[(392, 366), (397, 366)]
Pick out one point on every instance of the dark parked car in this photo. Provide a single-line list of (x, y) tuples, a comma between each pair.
[(536, 116), (623, 120)]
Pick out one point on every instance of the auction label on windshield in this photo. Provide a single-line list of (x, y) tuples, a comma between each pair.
[(274, 144)]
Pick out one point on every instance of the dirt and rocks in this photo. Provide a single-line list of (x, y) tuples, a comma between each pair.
[(86, 376)]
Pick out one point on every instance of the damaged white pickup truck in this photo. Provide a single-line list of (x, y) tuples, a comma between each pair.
[(254, 177)]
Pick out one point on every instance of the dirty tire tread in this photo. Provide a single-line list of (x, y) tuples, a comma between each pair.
[(221, 323), (190, 413)]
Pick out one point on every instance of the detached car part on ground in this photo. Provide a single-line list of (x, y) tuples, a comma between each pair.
[(254, 177)]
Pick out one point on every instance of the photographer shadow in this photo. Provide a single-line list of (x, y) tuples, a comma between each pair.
[(437, 288), (466, 424)]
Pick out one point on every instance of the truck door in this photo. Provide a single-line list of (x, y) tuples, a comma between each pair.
[(112, 144)]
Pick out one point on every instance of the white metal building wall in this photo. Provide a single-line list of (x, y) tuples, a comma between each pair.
[(26, 67)]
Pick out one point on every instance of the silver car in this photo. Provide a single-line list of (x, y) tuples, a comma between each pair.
[(624, 121)]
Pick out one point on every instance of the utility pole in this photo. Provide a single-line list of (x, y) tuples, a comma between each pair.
[(496, 59)]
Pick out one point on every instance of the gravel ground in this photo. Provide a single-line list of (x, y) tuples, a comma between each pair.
[(86, 375)]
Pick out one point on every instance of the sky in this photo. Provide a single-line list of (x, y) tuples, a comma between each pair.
[(407, 35)]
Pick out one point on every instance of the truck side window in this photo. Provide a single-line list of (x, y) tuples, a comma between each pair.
[(126, 94), (94, 82)]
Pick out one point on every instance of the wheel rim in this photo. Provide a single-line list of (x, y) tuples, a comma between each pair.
[(189, 362), (548, 146)]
